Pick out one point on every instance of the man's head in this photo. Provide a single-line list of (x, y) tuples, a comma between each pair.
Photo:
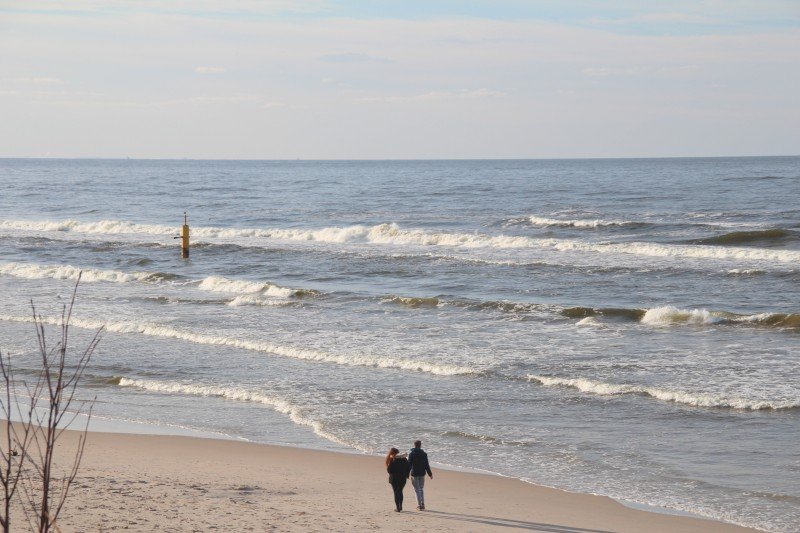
[(417, 444)]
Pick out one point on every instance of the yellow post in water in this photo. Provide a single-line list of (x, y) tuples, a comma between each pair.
[(185, 237)]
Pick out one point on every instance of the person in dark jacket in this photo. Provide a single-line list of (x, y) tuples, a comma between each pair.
[(398, 468), (419, 467)]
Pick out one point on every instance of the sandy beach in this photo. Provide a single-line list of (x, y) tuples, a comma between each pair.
[(176, 483)]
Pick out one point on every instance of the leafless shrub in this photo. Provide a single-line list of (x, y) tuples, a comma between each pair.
[(51, 407)]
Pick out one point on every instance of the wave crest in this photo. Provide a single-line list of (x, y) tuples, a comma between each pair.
[(770, 236), (69, 272), (238, 394), (579, 223), (413, 302), (692, 399), (392, 234), (668, 315), (222, 284), (359, 360)]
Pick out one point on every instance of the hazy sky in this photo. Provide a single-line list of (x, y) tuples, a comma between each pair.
[(399, 79)]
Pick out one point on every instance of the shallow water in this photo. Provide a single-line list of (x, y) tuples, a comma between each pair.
[(622, 327)]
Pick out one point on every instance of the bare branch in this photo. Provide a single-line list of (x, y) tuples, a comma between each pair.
[(43, 493)]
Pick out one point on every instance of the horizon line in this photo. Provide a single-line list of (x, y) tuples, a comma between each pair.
[(300, 159)]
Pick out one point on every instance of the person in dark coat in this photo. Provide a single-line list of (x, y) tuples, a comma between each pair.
[(398, 468), (419, 467)]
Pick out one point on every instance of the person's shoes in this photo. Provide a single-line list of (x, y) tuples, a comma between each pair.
[(397, 510), (422, 507)]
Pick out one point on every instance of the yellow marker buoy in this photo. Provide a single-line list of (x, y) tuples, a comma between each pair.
[(185, 237)]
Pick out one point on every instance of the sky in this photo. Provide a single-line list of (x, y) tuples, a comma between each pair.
[(413, 79)]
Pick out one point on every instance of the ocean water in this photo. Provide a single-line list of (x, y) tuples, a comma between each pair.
[(621, 327)]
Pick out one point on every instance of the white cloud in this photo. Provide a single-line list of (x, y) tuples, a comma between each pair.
[(353, 57), (210, 70), (644, 71), (437, 95), (300, 86), (42, 80)]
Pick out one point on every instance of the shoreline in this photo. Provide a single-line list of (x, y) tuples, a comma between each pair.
[(148, 482), (115, 426)]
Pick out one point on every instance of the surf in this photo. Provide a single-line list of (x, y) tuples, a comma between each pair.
[(676, 396), (293, 352), (390, 234)]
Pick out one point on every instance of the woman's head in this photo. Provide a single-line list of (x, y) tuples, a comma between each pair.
[(391, 454)]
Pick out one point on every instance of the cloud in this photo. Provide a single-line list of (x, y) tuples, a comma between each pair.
[(351, 57), (642, 71), (437, 95), (672, 18), (210, 70), (297, 80), (38, 81)]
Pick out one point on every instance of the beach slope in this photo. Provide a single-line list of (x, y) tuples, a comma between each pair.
[(174, 483)]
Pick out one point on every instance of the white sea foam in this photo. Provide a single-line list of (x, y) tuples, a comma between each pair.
[(157, 330), (34, 271), (392, 234), (238, 394), (667, 315), (110, 227), (250, 293), (258, 300), (682, 397), (222, 284), (543, 221), (745, 272), (670, 315), (678, 251)]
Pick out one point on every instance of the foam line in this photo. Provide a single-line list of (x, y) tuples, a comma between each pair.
[(579, 223), (693, 399), (392, 234), (211, 283), (69, 272), (238, 394), (669, 315), (155, 330)]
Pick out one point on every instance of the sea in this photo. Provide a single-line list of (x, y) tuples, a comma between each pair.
[(624, 327)]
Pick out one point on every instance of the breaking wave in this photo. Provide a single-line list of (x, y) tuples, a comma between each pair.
[(69, 272), (669, 315), (113, 227), (412, 302), (250, 292), (358, 360), (692, 399), (392, 234), (745, 272), (237, 394), (580, 223), (222, 284)]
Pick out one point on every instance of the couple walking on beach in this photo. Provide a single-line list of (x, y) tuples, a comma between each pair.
[(401, 467)]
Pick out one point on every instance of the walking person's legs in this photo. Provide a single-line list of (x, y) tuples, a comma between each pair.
[(419, 485), (398, 495)]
